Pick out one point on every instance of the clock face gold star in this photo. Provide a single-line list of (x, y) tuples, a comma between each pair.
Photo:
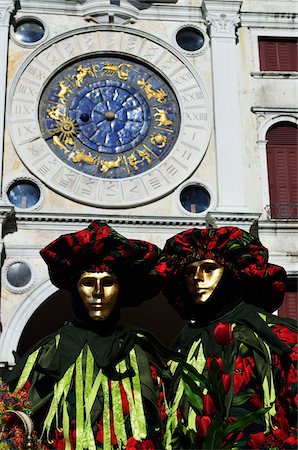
[(109, 117)]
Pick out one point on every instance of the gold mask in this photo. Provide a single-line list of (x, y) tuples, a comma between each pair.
[(201, 278), (99, 293)]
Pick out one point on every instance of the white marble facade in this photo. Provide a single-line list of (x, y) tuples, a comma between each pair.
[(227, 106)]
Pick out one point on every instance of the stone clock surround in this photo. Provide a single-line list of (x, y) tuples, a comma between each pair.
[(46, 61)]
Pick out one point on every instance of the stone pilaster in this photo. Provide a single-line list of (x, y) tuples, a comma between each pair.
[(6, 8), (222, 16)]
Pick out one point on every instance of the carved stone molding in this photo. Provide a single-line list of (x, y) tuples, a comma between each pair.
[(222, 17), (6, 8)]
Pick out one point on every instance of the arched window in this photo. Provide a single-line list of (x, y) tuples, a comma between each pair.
[(282, 161)]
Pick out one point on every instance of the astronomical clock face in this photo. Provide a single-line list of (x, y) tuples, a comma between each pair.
[(109, 118)]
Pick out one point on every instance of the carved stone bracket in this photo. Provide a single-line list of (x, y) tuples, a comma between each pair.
[(6, 8), (222, 17)]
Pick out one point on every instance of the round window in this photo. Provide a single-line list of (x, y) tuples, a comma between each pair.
[(23, 194), (195, 199), (28, 31), (18, 274), (190, 39)]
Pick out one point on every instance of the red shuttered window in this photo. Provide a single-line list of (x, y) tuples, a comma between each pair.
[(282, 161), (278, 54), (289, 308)]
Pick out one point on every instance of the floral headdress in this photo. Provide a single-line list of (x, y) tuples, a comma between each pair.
[(239, 251), (100, 248)]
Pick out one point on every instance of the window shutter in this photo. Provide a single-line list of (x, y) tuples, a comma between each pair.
[(289, 307), (282, 161), (278, 54)]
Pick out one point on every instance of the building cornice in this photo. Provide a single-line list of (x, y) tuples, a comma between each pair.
[(273, 110), (269, 20)]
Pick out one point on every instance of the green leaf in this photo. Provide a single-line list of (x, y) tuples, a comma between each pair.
[(240, 399), (214, 436), (243, 423), (195, 399), (195, 375)]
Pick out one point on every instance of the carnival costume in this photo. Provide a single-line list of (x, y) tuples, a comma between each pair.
[(238, 388), (97, 384)]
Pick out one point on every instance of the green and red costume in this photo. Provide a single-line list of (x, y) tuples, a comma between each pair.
[(98, 385), (238, 388)]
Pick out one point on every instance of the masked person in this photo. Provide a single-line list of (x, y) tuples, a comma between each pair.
[(238, 386), (96, 384)]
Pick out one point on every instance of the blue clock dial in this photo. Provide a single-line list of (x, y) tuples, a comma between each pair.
[(109, 117)]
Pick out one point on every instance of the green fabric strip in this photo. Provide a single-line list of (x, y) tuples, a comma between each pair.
[(27, 369), (269, 393), (89, 372), (60, 388), (65, 425), (89, 402), (127, 387), (191, 420), (79, 403), (118, 414), (106, 414), (142, 431)]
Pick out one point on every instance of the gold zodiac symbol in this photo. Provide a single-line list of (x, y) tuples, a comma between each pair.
[(160, 94), (134, 161), (59, 144), (82, 73), (55, 112), (162, 119), (80, 156), (158, 139), (107, 165), (144, 155), (121, 70), (64, 90)]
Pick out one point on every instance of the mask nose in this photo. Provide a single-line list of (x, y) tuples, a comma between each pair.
[(199, 275), (97, 292)]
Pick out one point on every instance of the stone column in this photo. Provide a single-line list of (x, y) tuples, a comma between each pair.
[(222, 17), (6, 8)]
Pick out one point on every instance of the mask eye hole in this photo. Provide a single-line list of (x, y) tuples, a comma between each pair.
[(109, 282)]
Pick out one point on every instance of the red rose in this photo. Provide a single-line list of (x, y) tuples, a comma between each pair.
[(256, 401), (292, 377), (83, 236), (256, 440), (215, 358), (162, 268), (202, 424), (243, 372), (223, 333), (294, 354), (208, 406), (132, 444), (226, 381), (153, 372), (287, 336), (292, 440)]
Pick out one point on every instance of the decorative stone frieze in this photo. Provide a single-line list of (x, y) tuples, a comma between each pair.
[(222, 17)]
